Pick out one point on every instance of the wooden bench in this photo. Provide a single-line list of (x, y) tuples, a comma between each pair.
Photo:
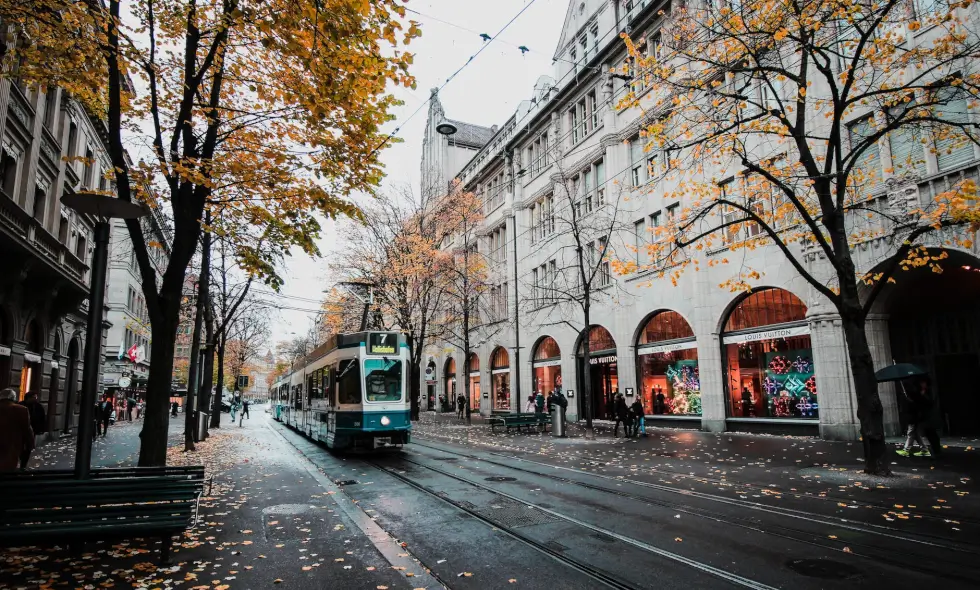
[(520, 420), (39, 507)]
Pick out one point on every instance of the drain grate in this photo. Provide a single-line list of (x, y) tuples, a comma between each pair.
[(501, 478), (346, 482), (511, 514), (825, 569)]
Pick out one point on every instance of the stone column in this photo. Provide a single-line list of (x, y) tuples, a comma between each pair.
[(711, 367), (835, 388), (876, 328)]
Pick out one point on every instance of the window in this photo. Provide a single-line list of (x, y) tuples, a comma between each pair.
[(80, 245), (383, 380), (88, 170), (573, 57), (535, 286), (640, 240), (672, 211), (39, 204), (591, 103), (349, 382), (953, 147), (498, 245), (63, 229), (600, 183), (50, 107), (868, 165), (636, 161), (9, 167), (908, 154), (603, 276), (583, 44), (583, 116), (72, 139)]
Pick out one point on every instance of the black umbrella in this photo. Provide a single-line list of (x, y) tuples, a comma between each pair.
[(899, 372)]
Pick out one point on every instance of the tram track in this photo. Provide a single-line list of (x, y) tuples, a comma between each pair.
[(938, 564), (912, 512), (596, 574)]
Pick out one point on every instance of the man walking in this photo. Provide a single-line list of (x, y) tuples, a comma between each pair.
[(621, 411), (241, 421), (460, 405), (39, 420), (16, 435), (104, 415)]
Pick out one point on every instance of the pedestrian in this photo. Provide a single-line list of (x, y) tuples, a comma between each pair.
[(529, 406), (460, 405), (244, 412), (16, 434), (174, 407), (130, 406), (539, 403), (103, 415), (920, 421), (621, 412), (39, 420), (551, 402), (140, 408), (746, 402), (639, 419)]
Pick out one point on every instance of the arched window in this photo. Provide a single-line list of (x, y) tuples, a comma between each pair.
[(769, 371), (474, 377), (600, 340), (667, 366), (546, 367), (449, 378), (500, 378)]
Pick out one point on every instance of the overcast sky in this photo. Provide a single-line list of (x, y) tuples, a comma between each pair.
[(486, 92)]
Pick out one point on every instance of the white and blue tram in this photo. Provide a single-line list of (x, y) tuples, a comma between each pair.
[(350, 392)]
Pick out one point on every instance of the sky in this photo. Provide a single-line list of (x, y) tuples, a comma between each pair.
[(486, 92)]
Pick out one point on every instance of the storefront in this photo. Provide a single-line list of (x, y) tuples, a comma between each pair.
[(546, 367), (430, 385), (30, 374), (500, 378), (667, 366), (603, 373), (474, 382), (449, 390), (768, 359)]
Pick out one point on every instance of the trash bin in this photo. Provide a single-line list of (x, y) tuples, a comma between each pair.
[(558, 421)]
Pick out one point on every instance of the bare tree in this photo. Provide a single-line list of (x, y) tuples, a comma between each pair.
[(247, 337), (577, 233)]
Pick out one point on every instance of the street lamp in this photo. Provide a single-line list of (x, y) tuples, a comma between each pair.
[(102, 208), (447, 128)]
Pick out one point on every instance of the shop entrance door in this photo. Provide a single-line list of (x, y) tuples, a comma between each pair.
[(958, 393)]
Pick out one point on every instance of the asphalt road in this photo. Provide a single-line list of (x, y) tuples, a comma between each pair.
[(485, 517)]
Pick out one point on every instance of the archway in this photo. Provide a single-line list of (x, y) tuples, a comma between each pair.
[(546, 367), (449, 381), (934, 322), (667, 365), (474, 377), (500, 378), (71, 383), (604, 374), (30, 373), (769, 370)]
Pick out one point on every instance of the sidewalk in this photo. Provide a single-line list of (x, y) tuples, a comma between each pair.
[(272, 519)]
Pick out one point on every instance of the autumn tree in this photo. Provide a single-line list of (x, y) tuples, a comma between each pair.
[(773, 121), (472, 306), (576, 235), (248, 335), (273, 106), (393, 250)]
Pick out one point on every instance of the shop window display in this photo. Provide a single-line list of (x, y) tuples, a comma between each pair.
[(474, 377), (667, 359), (770, 370), (500, 379), (546, 367)]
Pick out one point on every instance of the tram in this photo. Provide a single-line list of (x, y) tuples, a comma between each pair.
[(349, 393)]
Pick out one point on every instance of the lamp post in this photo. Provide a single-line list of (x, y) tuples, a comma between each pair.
[(102, 208)]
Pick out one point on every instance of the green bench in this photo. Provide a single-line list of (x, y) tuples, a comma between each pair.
[(38, 507), (519, 421)]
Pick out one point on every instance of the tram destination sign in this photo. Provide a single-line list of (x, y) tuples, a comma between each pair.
[(382, 343)]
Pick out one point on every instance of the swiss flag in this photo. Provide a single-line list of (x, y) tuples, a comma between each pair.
[(131, 353)]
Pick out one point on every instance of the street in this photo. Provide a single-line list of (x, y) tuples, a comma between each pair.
[(463, 508)]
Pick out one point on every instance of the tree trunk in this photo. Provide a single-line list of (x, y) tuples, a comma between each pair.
[(415, 386), (207, 381), (586, 386), (219, 384), (156, 421), (870, 412)]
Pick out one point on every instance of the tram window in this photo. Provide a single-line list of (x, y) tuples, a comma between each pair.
[(349, 382), (383, 379)]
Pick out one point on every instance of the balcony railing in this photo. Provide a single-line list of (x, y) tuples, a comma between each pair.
[(21, 225)]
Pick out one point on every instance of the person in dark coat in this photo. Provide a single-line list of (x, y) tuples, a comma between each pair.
[(16, 434), (622, 413), (460, 405), (104, 415), (921, 405), (174, 407), (39, 419)]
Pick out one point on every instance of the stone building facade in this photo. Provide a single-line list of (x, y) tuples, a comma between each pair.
[(45, 249), (700, 355)]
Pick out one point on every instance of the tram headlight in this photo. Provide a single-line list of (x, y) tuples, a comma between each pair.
[(385, 421)]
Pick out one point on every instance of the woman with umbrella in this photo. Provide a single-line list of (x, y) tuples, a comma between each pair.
[(920, 403)]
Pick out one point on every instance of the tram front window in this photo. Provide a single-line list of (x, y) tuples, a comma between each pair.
[(383, 380)]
